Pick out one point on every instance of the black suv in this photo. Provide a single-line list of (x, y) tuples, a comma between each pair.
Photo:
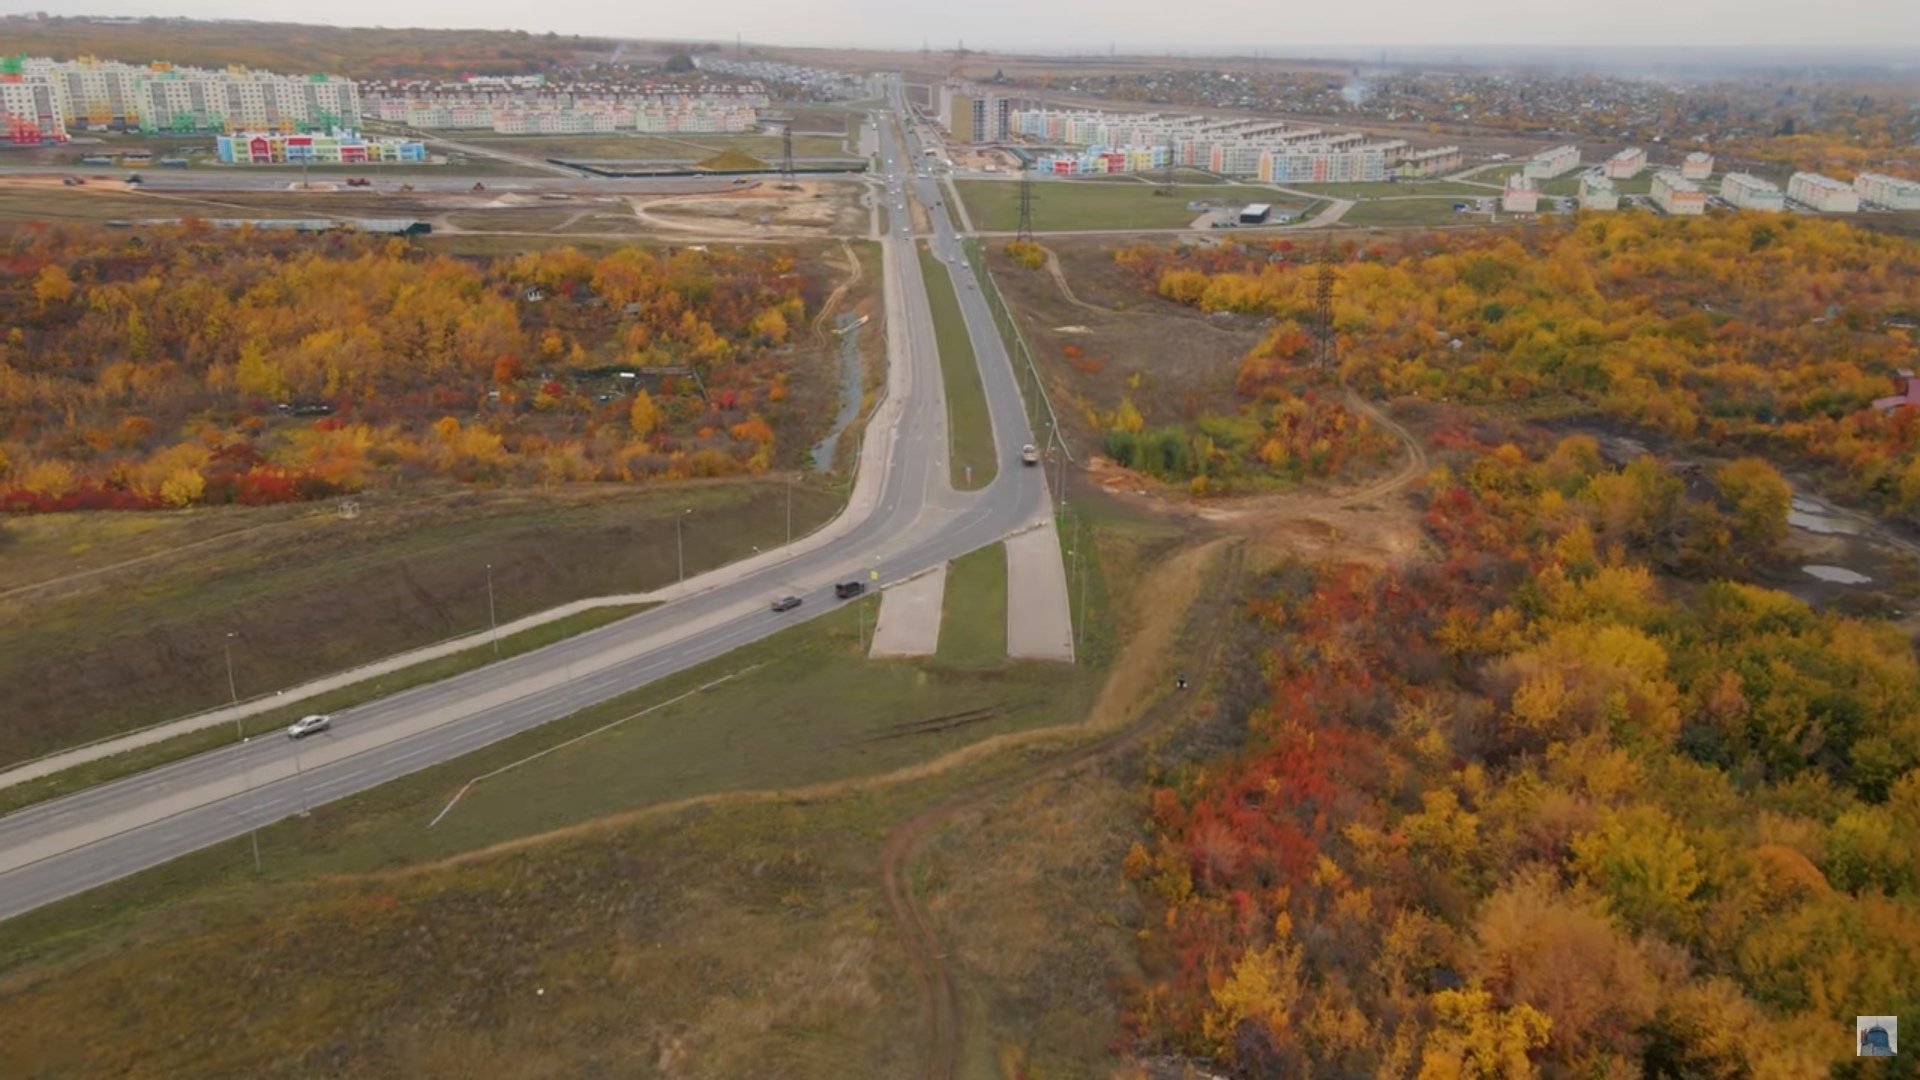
[(847, 590)]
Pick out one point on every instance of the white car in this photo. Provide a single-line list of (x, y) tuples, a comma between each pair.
[(307, 725)]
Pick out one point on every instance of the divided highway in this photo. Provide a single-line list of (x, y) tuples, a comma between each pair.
[(65, 846)]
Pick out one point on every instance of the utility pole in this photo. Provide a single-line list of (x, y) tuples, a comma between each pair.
[(1323, 310), (786, 150), (789, 510), (1026, 206), (232, 691), (1168, 185), (493, 624), (679, 546)]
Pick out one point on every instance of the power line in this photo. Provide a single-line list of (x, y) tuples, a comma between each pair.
[(1026, 206)]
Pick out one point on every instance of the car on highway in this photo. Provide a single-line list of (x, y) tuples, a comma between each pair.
[(847, 590), (1029, 455), (307, 725), (786, 603)]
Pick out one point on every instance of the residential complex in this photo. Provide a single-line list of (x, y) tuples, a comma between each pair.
[(973, 114), (567, 109), (31, 111), (1748, 192), (1696, 166), (1522, 195), (1677, 195), (91, 93), (1892, 192), (1598, 193), (1555, 162), (1270, 150), (1823, 193), (332, 148), (1423, 163), (1626, 164)]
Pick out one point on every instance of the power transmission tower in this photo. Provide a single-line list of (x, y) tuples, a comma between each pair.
[(1167, 183), (1026, 207), (786, 150), (1324, 350)]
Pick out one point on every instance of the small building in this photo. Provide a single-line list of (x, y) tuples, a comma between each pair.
[(1748, 192), (1429, 162), (1256, 214), (1677, 195), (1823, 193), (1892, 192), (1696, 166), (1626, 164), (1522, 195), (1598, 193)]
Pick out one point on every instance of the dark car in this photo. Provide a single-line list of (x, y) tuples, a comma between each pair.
[(847, 590), (786, 603)]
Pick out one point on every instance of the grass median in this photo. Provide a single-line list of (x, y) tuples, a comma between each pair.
[(973, 611), (970, 434), (180, 747)]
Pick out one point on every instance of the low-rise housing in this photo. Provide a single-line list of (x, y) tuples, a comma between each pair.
[(1555, 162), (1823, 193), (1677, 195), (1696, 166), (1892, 192), (1522, 195), (330, 148), (1748, 192), (1598, 193), (1626, 164)]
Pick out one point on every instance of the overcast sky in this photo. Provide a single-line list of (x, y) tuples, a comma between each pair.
[(1094, 25)]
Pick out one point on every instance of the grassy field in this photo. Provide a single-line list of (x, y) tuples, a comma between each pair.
[(309, 593), (1064, 206), (740, 936), (179, 747), (970, 435), (1408, 212), (973, 610), (1397, 187)]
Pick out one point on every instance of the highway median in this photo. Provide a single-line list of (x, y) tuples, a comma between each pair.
[(972, 461)]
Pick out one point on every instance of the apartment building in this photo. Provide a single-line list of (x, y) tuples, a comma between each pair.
[(1598, 193), (1626, 164), (1823, 193), (330, 148), (540, 107), (1321, 165), (1892, 192), (1696, 166), (31, 111), (1522, 195), (1677, 195), (96, 93), (1423, 163), (973, 114), (1551, 163), (1748, 192)]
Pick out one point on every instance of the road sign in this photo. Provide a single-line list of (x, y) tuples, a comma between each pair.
[(874, 574)]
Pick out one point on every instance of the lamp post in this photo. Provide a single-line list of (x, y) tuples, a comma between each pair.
[(789, 509), (246, 768), (232, 691), (493, 624)]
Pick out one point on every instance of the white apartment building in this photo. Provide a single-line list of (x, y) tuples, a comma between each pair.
[(1696, 166), (1626, 164), (1749, 192), (1677, 195), (1823, 193), (1522, 195), (32, 113), (1555, 162), (97, 93), (1598, 193), (568, 108), (1433, 162), (1892, 192)]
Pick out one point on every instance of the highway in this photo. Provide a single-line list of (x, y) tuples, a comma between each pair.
[(65, 846)]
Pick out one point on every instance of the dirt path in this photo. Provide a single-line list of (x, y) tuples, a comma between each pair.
[(833, 298), (926, 955)]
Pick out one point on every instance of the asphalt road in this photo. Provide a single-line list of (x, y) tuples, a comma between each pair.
[(65, 846)]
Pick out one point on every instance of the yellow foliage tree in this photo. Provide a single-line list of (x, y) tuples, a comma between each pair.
[(1474, 1040), (52, 286), (1263, 986), (183, 487), (1127, 417), (644, 415)]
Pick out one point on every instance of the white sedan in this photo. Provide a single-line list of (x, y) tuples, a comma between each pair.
[(307, 725)]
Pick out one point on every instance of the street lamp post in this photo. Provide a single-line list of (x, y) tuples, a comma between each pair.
[(789, 509), (679, 543), (493, 624), (232, 691)]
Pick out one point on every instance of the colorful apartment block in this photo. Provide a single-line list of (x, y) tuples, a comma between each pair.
[(94, 93), (31, 110), (331, 148), (1521, 196)]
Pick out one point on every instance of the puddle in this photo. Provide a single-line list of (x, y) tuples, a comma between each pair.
[(1817, 518), (849, 390), (1838, 575)]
